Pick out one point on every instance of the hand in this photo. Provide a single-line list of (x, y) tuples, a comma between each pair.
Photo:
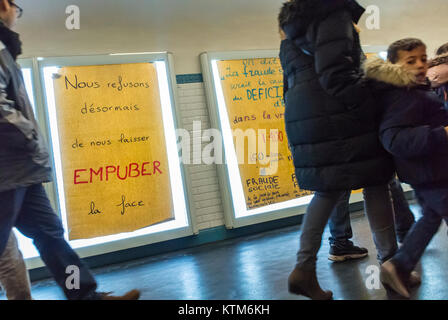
[(282, 34), (446, 130)]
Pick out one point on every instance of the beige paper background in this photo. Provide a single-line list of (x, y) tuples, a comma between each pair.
[(150, 194), (241, 81)]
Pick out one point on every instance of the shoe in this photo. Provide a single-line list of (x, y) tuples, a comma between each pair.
[(342, 251), (131, 295), (390, 277), (305, 283)]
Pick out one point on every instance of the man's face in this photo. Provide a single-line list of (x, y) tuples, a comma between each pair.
[(415, 61), (10, 13)]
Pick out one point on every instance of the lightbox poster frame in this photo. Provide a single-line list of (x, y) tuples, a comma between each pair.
[(170, 106)]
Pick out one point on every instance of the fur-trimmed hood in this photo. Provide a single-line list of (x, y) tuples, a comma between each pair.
[(442, 59), (386, 72), (296, 16)]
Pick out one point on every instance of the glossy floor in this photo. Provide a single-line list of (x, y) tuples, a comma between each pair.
[(257, 267)]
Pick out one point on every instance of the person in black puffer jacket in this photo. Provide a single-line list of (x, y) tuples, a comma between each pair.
[(332, 125)]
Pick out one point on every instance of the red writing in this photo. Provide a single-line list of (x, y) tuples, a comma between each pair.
[(132, 170)]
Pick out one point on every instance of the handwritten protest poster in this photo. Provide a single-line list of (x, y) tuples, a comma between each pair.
[(253, 93), (113, 152)]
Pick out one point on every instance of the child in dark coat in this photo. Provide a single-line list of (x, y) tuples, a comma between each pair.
[(414, 130)]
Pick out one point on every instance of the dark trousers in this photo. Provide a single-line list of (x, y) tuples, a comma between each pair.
[(379, 212), (29, 210), (434, 203), (340, 226)]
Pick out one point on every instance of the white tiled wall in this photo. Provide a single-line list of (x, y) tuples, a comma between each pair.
[(206, 198)]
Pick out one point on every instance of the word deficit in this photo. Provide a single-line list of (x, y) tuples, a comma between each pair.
[(132, 170), (257, 94)]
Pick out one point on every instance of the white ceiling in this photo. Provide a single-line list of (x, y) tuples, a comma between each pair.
[(189, 27)]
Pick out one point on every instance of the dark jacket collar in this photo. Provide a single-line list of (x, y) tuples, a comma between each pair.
[(301, 13), (11, 40)]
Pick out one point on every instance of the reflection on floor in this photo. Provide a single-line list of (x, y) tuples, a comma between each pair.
[(256, 267)]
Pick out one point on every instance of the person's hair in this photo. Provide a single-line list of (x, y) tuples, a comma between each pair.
[(285, 13), (296, 9), (407, 44), (442, 50)]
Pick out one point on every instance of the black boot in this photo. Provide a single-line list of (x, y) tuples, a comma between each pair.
[(305, 283)]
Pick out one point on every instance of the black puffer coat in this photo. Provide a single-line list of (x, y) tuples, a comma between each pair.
[(331, 118)]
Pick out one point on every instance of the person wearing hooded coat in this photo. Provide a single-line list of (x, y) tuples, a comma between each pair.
[(332, 126)]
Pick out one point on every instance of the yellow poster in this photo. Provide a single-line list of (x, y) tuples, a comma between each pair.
[(253, 93), (114, 161), (370, 55)]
